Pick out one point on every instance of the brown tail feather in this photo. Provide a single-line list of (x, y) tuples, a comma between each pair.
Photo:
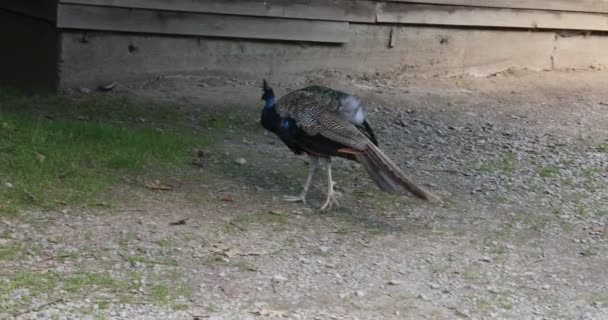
[(388, 176)]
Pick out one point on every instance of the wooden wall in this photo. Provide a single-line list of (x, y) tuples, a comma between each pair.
[(324, 21), (308, 20)]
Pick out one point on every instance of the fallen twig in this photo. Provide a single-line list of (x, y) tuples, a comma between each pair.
[(30, 195), (163, 188), (237, 226), (61, 256), (466, 174), (179, 222)]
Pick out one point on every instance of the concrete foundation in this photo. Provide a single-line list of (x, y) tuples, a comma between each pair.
[(92, 58)]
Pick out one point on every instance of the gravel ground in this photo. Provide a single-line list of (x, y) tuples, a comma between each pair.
[(519, 158)]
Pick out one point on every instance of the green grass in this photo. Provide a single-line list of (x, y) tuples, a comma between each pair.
[(507, 163), (37, 283), (60, 161), (92, 279), (92, 107), (548, 172), (8, 252), (162, 294)]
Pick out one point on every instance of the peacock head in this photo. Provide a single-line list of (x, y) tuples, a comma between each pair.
[(267, 94)]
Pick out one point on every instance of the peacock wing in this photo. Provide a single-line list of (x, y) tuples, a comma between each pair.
[(316, 114), (302, 102), (334, 127)]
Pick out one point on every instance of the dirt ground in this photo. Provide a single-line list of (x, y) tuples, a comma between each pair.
[(519, 158)]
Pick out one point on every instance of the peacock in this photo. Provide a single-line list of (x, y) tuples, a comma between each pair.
[(323, 123)]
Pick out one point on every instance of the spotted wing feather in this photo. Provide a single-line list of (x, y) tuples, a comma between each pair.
[(318, 114)]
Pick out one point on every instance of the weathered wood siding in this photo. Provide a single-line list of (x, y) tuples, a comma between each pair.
[(323, 20), (200, 24)]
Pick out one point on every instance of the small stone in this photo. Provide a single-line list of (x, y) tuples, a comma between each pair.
[(423, 297), (493, 290), (485, 259), (343, 295), (394, 282), (279, 278), (360, 293), (463, 313), (84, 90), (241, 161), (546, 287), (434, 286), (8, 185), (324, 249)]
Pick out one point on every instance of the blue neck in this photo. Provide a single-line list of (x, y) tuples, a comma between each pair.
[(269, 103)]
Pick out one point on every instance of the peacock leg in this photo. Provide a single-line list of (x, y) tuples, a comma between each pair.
[(331, 194), (314, 162)]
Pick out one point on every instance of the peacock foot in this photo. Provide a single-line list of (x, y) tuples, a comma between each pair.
[(299, 198), (331, 202)]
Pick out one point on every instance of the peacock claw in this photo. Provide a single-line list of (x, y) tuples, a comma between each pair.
[(295, 199), (331, 202)]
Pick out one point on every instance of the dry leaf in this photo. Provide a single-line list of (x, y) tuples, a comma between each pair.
[(277, 212), (597, 230), (233, 252), (179, 222), (40, 157), (227, 198), (156, 185)]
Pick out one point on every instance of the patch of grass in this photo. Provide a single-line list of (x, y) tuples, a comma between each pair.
[(508, 163), (92, 107), (471, 274), (162, 294), (505, 300), (548, 172), (48, 163), (103, 304), (536, 221), (216, 121), (164, 243), (569, 181), (603, 147), (36, 283), (89, 280), (10, 251), (125, 238), (242, 265)]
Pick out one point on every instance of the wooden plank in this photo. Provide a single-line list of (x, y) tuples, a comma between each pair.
[(332, 10), (40, 9), (200, 24), (598, 6), (422, 14)]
